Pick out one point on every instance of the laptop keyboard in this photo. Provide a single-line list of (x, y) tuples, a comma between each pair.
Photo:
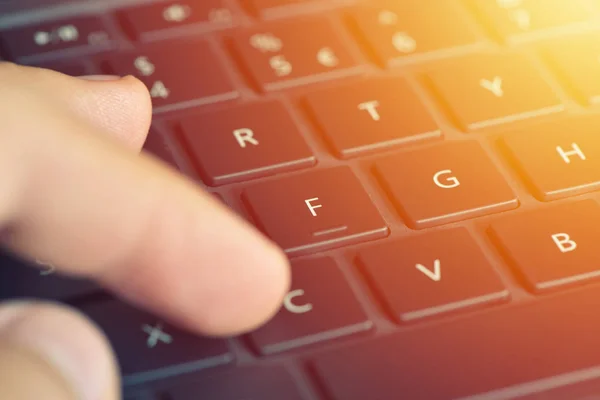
[(430, 167)]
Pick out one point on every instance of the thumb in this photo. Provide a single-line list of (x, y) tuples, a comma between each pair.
[(52, 353)]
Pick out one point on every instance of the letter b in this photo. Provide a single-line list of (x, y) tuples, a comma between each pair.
[(564, 242)]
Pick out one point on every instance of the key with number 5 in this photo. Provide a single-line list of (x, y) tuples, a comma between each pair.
[(278, 57), (177, 74)]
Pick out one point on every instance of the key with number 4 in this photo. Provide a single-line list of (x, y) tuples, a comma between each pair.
[(178, 74), (278, 57)]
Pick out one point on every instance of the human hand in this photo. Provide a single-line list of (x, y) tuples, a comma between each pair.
[(75, 193)]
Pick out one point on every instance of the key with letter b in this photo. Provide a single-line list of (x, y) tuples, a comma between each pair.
[(554, 246)]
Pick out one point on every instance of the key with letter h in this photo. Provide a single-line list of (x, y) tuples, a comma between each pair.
[(558, 159)]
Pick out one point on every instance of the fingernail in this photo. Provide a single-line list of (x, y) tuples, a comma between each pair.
[(65, 340), (100, 77)]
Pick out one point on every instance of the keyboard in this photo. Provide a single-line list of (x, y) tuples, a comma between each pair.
[(431, 168)]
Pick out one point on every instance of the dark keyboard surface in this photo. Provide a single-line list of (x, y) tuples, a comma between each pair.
[(431, 168)]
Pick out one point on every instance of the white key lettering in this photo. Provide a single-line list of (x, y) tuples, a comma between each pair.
[(312, 207), (454, 182), (494, 86), (371, 108), (295, 308), (244, 136), (566, 154), (564, 242)]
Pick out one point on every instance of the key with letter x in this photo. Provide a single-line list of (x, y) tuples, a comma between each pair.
[(315, 210)]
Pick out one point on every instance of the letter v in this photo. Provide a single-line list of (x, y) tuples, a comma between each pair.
[(436, 274)]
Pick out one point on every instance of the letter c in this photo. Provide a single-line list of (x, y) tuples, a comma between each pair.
[(294, 308)]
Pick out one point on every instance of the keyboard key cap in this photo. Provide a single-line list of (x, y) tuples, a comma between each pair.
[(155, 145), (148, 349), (315, 210), (431, 274), (247, 383), (558, 159), (487, 90), (320, 306), (503, 353), (20, 281), (516, 18), (552, 247), (432, 27), (81, 34), (278, 57), (578, 62), (245, 142), (445, 183), (175, 79), (150, 21), (371, 115)]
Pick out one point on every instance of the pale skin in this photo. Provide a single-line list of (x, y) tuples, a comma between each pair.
[(76, 193)]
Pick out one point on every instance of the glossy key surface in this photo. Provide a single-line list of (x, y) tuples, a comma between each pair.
[(148, 348), (431, 274), (178, 74), (245, 142), (319, 307), (440, 184), (486, 90), (86, 34), (148, 21), (400, 31), (557, 159), (553, 247), (276, 56), (503, 353), (371, 115), (315, 210)]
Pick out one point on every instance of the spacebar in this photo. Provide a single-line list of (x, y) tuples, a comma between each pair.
[(504, 353)]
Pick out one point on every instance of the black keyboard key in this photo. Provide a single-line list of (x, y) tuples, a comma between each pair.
[(19, 281), (552, 247), (320, 306), (149, 349), (558, 159), (514, 19), (432, 274), (277, 56), (315, 210), (245, 142), (245, 383), (371, 115), (150, 21), (445, 183), (502, 353), (80, 34), (577, 61), (401, 31), (178, 74), (486, 90), (155, 145)]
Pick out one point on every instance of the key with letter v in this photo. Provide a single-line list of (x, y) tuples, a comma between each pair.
[(435, 275), (395, 272)]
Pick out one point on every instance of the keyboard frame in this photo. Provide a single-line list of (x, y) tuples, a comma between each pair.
[(20, 12)]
